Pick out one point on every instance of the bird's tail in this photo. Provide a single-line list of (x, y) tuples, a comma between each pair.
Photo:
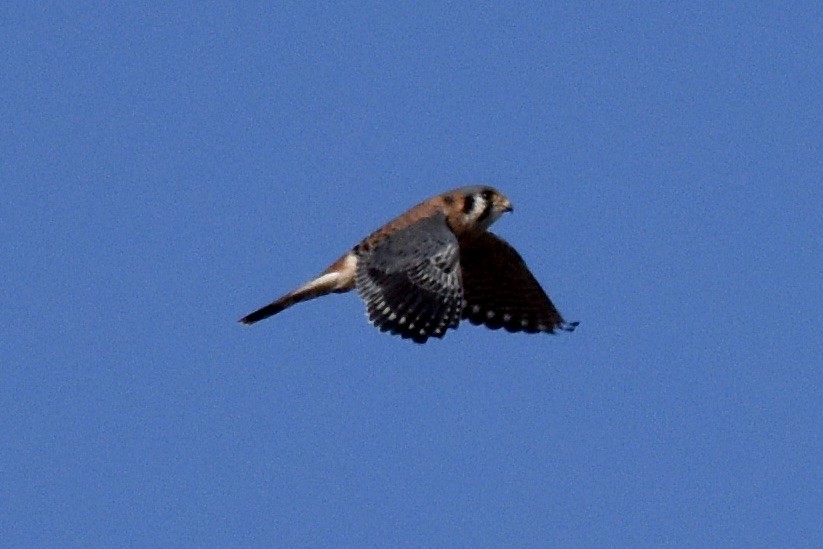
[(337, 278)]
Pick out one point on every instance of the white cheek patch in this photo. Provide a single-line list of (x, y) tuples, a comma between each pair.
[(478, 207), (482, 214)]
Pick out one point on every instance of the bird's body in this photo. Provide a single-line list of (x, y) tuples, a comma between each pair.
[(424, 270)]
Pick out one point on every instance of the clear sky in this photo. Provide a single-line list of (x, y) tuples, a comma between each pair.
[(167, 168)]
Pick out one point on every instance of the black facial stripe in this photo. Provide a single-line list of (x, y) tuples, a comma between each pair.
[(468, 205)]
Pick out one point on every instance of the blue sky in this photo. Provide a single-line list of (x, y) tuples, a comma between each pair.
[(167, 169)]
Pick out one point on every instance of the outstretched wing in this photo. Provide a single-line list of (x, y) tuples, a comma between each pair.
[(500, 292), (410, 280)]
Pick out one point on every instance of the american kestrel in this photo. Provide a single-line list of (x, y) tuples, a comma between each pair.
[(422, 272)]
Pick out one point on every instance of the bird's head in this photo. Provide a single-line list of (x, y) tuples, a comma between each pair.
[(475, 208)]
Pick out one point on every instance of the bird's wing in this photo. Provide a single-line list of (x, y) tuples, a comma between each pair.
[(410, 280), (500, 292)]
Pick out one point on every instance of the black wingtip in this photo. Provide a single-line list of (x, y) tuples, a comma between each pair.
[(569, 326)]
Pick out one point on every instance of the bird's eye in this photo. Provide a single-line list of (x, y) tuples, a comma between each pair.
[(488, 194)]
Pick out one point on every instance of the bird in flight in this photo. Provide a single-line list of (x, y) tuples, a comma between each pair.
[(436, 264)]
